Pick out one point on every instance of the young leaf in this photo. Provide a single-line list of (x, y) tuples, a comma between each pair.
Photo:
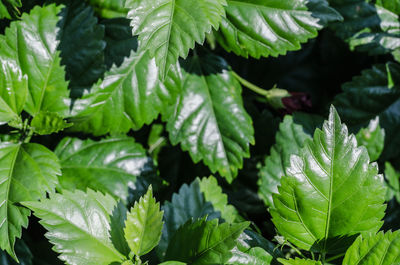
[(382, 248), (170, 28), (289, 140), (393, 182), (78, 226), (212, 245), (128, 97), (33, 42), (27, 172), (13, 90), (330, 192), (144, 224), (373, 138), (264, 28), (208, 118), (298, 261), (48, 122), (114, 166), (9, 8), (109, 8), (376, 92)]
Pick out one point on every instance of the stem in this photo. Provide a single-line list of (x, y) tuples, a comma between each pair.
[(297, 250), (250, 86), (28, 136), (335, 257)]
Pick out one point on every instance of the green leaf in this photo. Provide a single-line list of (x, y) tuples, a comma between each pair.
[(172, 263), (27, 172), (82, 47), (33, 42), (271, 28), (170, 28), (48, 122), (213, 193), (128, 97), (78, 226), (13, 90), (208, 118), (289, 140), (23, 253), (109, 8), (368, 27), (212, 245), (393, 182), (116, 166), (330, 192), (298, 261), (382, 248), (376, 92), (188, 204), (144, 224), (9, 8), (253, 256), (373, 138)]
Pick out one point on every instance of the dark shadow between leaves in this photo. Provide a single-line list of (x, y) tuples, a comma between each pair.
[(335, 245)]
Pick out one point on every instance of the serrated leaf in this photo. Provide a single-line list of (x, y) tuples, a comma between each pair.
[(27, 172), (48, 122), (128, 97), (392, 182), (117, 166), (298, 261), (188, 204), (33, 42), (208, 119), (271, 28), (23, 253), (213, 193), (289, 140), (78, 226), (82, 47), (144, 224), (382, 248), (330, 192), (170, 28), (212, 245), (13, 90), (109, 8), (376, 92), (9, 8), (373, 138), (368, 27)]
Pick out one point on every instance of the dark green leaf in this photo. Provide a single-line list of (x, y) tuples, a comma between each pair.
[(392, 182), (373, 138), (23, 253)]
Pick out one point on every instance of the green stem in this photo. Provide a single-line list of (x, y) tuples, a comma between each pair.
[(296, 249), (335, 257), (250, 86)]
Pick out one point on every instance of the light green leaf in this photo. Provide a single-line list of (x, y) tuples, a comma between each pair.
[(213, 193), (33, 42), (116, 166), (208, 118), (172, 263), (9, 8), (373, 138), (170, 28), (212, 245), (48, 122), (128, 97), (13, 90), (252, 256), (271, 28), (392, 182), (382, 248), (109, 8), (298, 261), (144, 224), (330, 192), (289, 140), (27, 172), (78, 226), (376, 92)]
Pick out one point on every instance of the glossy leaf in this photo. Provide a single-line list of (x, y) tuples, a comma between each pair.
[(392, 182), (128, 97), (271, 28), (376, 92), (209, 119), (330, 192), (298, 261), (212, 245), (253, 256), (373, 138), (116, 166), (13, 90), (289, 140), (9, 8), (48, 122), (78, 226), (382, 248), (144, 224), (170, 28), (109, 8), (27, 172), (33, 42)]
